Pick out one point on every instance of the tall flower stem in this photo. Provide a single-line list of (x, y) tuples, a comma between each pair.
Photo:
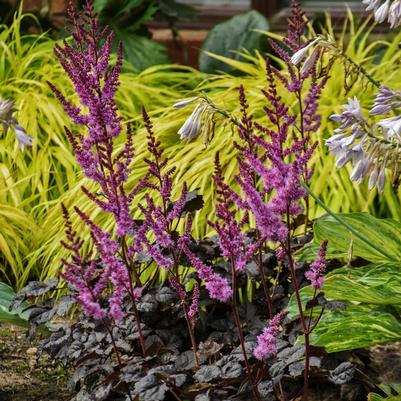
[(300, 308), (113, 341), (264, 283), (131, 294), (191, 334), (240, 333)]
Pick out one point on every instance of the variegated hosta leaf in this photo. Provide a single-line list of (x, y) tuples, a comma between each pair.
[(382, 236), (357, 327), (373, 295), (372, 284)]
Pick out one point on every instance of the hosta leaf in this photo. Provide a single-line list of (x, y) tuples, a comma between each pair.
[(357, 327), (372, 284), (16, 316), (236, 34), (392, 391), (382, 236)]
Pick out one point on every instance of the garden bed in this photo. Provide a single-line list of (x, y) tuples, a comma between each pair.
[(24, 376)]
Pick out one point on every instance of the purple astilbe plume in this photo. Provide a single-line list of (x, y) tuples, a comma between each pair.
[(217, 286), (267, 340), (86, 60), (281, 177), (80, 272), (114, 270), (175, 285), (315, 274), (232, 241), (159, 218)]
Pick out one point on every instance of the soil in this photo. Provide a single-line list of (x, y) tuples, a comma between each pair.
[(25, 377)]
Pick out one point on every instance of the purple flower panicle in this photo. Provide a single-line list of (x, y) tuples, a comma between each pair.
[(316, 272), (267, 340)]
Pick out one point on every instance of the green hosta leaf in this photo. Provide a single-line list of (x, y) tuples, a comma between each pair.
[(392, 391), (358, 326), (140, 51), (15, 316), (373, 294), (372, 284), (226, 38), (382, 236)]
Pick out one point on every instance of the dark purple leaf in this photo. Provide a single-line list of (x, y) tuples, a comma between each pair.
[(207, 373), (343, 373)]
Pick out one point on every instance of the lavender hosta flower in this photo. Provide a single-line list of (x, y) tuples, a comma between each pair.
[(22, 137), (315, 274), (372, 4), (184, 103), (391, 128), (8, 121), (385, 100), (351, 115), (267, 340), (394, 17), (389, 10), (382, 12), (6, 111)]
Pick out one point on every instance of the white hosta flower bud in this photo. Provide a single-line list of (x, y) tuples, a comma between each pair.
[(310, 61), (184, 103), (192, 125), (298, 56), (382, 12)]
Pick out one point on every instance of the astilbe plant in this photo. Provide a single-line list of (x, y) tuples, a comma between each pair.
[(113, 266), (273, 174)]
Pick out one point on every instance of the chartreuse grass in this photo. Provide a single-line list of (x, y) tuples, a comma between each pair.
[(194, 162), (32, 182)]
